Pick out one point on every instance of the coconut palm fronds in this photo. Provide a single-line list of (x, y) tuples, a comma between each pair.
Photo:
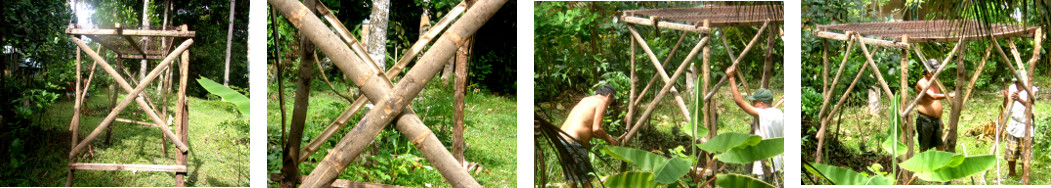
[(545, 133)]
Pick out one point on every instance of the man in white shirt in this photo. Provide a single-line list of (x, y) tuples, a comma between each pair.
[(1016, 123), (771, 119)]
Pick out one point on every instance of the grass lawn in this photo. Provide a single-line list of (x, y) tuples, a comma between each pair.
[(218, 146), (391, 158), (861, 131), (662, 135)]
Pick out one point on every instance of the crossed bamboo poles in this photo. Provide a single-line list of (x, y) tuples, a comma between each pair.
[(393, 99), (957, 102)]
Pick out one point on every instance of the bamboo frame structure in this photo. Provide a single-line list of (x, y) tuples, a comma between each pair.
[(905, 35), (701, 21), (391, 99), (121, 42)]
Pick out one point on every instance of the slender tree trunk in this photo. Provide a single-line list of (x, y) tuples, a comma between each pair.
[(299, 110), (145, 40), (229, 40), (377, 38)]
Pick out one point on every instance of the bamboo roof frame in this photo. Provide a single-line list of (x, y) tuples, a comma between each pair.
[(700, 21), (374, 84), (905, 35), (124, 43)]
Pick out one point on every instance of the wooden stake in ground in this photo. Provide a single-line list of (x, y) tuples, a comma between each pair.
[(290, 167), (183, 114)]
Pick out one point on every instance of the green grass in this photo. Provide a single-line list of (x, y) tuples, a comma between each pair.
[(984, 106), (489, 130), (218, 151)]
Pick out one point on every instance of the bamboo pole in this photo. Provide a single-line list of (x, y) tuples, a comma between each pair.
[(131, 32), (903, 94), (131, 95), (459, 88), (660, 71), (1014, 71), (344, 34), (835, 80), (280, 76), (375, 86), (183, 114), (1028, 145), (74, 125), (730, 53), (1014, 53), (928, 67), (706, 81), (872, 41), (426, 38), (290, 167), (875, 70), (128, 167), (738, 60), (631, 94), (667, 86), (341, 183), (825, 120), (331, 130), (664, 24), (671, 54), (934, 78), (978, 72), (824, 65)]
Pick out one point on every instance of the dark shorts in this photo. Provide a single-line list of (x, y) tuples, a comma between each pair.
[(929, 131), (580, 163)]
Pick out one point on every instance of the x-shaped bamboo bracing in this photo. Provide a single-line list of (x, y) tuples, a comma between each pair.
[(668, 86), (133, 94), (391, 101), (394, 71), (655, 76), (660, 70)]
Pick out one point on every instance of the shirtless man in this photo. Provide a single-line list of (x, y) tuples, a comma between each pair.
[(771, 119), (929, 123), (583, 123)]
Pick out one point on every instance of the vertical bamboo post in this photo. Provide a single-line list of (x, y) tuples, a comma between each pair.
[(706, 82), (824, 65), (768, 61), (631, 94), (903, 93), (459, 88), (1028, 144), (182, 114), (75, 125), (290, 168), (957, 107)]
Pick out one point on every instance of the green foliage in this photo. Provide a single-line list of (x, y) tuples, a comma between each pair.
[(737, 180), (943, 166), (844, 176), (631, 179), (726, 141), (228, 95), (664, 170), (745, 153), (891, 144)]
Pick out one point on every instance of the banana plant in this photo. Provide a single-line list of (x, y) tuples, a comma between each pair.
[(652, 168), (228, 95)]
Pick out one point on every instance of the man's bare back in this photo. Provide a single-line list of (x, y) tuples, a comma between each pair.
[(930, 104), (585, 120)]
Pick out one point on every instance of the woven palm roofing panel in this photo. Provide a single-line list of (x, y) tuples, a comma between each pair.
[(717, 15), (160, 41), (933, 30)]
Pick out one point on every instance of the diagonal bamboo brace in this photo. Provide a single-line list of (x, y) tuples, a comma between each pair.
[(132, 94), (664, 90), (660, 71), (390, 100)]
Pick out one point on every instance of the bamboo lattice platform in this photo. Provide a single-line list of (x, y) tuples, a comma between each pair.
[(933, 30), (717, 16)]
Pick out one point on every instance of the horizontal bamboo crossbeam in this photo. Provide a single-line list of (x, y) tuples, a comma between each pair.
[(866, 40), (122, 120), (665, 24), (131, 32), (150, 57), (129, 167)]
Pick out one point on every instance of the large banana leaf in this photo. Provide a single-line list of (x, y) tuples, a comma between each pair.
[(228, 95), (739, 181), (726, 141), (931, 160), (894, 132), (747, 154), (695, 121), (672, 170), (631, 179), (844, 176), (688, 129), (967, 167), (644, 160)]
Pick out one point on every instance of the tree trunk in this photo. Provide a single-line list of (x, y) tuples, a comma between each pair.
[(229, 40), (377, 36), (145, 40), (299, 109)]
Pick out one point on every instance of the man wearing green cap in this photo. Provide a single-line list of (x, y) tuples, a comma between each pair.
[(929, 121), (771, 119), (1016, 125)]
